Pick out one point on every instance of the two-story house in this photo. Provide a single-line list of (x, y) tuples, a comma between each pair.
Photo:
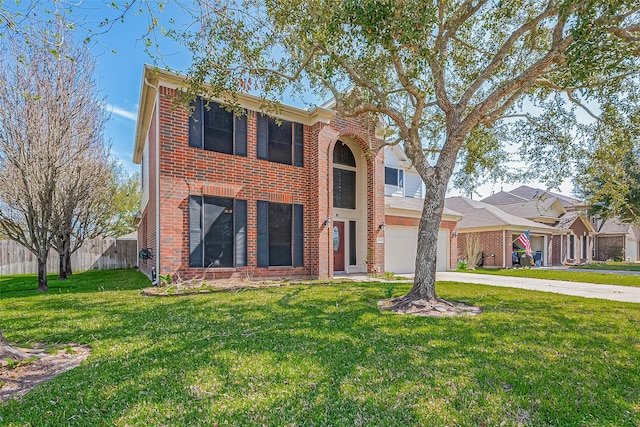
[(251, 195), (297, 193)]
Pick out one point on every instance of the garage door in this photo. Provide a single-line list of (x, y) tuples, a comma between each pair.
[(631, 252), (400, 249)]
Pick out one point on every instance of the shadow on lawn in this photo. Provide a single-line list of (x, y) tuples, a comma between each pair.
[(326, 356), (26, 285)]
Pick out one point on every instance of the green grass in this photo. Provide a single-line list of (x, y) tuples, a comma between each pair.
[(324, 356), (610, 265), (571, 276)]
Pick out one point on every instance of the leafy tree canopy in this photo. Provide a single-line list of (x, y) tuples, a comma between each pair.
[(609, 175), (125, 205), (465, 85)]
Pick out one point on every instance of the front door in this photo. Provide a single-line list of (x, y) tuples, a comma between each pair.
[(338, 246)]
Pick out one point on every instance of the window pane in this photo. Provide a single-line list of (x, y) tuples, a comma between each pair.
[(298, 144), (240, 129), (280, 234), (218, 232), (342, 155), (391, 176), (344, 189), (218, 128), (280, 142), (195, 124), (195, 231), (352, 243)]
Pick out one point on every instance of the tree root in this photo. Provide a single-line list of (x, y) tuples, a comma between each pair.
[(6, 351), (433, 307)]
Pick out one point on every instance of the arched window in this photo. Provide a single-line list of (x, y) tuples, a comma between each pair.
[(344, 177), (342, 155)]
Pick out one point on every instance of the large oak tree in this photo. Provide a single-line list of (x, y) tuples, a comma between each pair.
[(459, 83)]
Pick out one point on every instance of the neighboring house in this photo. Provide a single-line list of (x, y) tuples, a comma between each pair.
[(618, 240), (545, 209), (255, 196), (498, 231), (249, 195), (574, 236), (575, 239)]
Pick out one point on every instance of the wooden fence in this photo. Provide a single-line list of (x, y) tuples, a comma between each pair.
[(95, 254)]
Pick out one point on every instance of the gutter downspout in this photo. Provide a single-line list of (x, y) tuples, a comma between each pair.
[(157, 113), (504, 248), (157, 184)]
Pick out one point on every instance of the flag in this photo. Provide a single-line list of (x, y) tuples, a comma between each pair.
[(523, 239)]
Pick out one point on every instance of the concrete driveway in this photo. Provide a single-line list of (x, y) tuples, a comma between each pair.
[(588, 290)]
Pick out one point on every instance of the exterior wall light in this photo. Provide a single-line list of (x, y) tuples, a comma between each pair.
[(454, 234), (327, 222), (382, 226)]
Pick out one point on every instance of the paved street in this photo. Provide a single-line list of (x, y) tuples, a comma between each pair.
[(588, 290)]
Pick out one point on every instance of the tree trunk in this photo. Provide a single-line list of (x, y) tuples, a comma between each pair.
[(42, 274), (67, 261), (436, 180), (62, 268), (424, 282)]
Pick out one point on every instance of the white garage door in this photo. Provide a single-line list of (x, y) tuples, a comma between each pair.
[(631, 252), (400, 248)]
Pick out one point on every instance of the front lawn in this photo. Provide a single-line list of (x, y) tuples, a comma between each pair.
[(611, 265), (570, 276), (325, 356)]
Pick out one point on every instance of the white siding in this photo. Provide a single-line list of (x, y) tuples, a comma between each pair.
[(390, 159), (631, 250), (392, 190), (144, 199), (412, 185)]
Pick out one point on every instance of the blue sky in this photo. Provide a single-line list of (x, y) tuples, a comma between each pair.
[(120, 56)]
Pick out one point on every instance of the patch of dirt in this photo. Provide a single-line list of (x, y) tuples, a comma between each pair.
[(198, 286), (429, 308), (30, 367)]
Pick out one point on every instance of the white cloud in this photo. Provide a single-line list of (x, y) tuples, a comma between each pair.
[(130, 115)]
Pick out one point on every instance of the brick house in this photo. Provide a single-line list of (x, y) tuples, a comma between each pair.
[(250, 195), (574, 237), (617, 239), (497, 231)]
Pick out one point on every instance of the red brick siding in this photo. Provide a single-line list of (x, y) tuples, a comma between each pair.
[(188, 171), (491, 245)]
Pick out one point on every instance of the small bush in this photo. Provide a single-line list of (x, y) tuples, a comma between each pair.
[(615, 253), (389, 290)]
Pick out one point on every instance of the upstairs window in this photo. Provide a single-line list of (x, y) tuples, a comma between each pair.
[(280, 143), (213, 128), (344, 177), (393, 176)]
